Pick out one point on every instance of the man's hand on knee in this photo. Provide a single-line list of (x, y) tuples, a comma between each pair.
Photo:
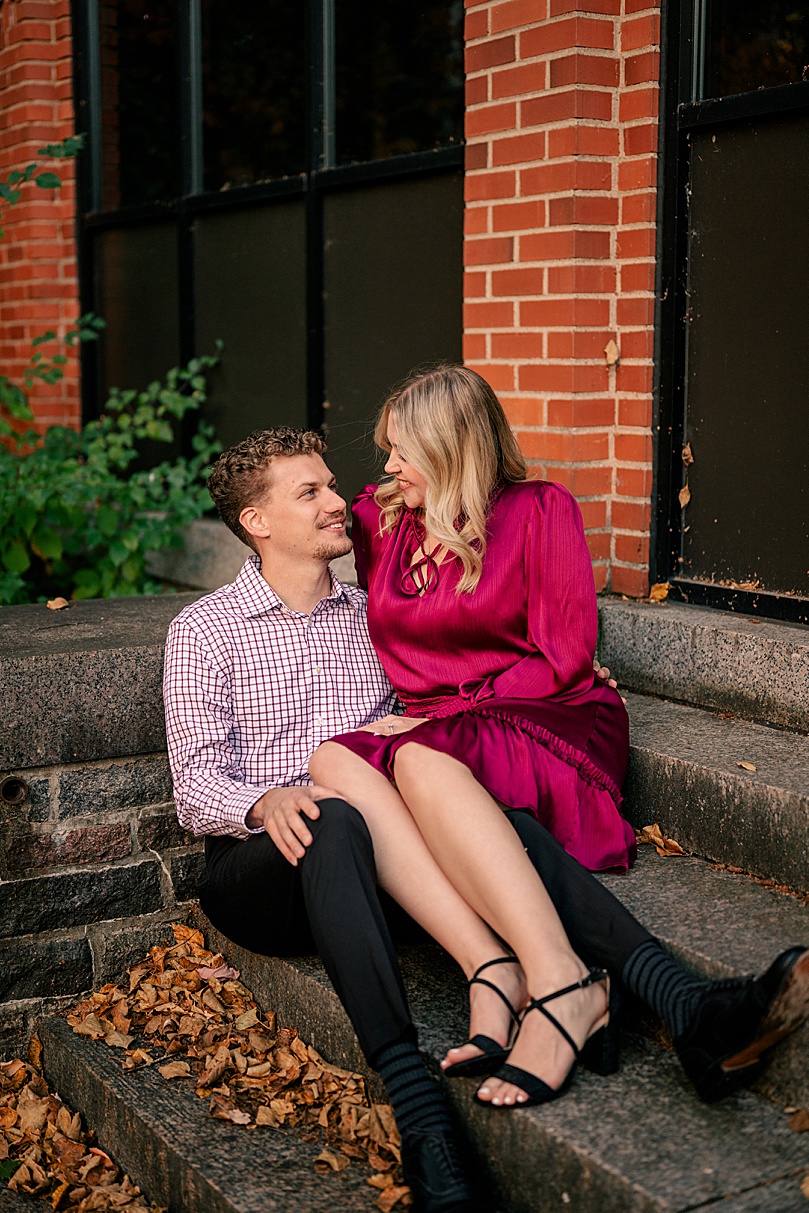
[(281, 812)]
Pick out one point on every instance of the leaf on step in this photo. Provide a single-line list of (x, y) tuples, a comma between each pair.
[(117, 1040), (326, 1162), (804, 1185), (266, 1116), (221, 972), (89, 1026), (57, 604), (659, 591), (248, 1020), (175, 1069), (34, 1052), (222, 1109), (189, 935), (799, 1121), (392, 1196), (663, 846), (747, 766)]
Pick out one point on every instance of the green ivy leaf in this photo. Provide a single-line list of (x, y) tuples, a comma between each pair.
[(107, 520), (47, 181), (15, 557), (47, 544)]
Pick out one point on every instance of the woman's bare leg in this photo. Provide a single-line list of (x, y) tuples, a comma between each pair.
[(409, 873), (481, 854)]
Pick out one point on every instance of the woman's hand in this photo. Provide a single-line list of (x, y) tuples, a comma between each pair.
[(603, 673), (389, 725)]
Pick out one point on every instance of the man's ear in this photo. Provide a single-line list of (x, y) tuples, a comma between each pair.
[(254, 522)]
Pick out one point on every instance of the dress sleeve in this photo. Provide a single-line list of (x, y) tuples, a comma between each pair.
[(562, 608), (364, 532)]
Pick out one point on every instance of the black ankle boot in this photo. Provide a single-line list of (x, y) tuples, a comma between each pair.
[(736, 1023), (432, 1167)]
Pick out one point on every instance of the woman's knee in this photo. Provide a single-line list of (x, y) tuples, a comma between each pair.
[(325, 761)]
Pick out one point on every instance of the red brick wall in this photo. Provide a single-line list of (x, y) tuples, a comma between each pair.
[(38, 280), (559, 249)]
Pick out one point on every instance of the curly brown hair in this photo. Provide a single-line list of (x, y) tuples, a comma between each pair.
[(241, 475)]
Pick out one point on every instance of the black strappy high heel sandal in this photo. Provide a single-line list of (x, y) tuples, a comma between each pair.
[(491, 1053), (599, 1050)]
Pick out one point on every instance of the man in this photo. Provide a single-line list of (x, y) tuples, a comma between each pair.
[(262, 671)]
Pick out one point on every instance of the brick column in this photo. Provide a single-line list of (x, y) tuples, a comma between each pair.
[(561, 133), (38, 280)]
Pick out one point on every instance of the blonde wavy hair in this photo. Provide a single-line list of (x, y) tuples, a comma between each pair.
[(451, 427)]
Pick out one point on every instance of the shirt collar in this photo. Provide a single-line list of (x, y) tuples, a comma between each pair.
[(256, 597)]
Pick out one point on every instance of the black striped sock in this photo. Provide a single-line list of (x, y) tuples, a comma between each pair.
[(663, 985), (415, 1098)]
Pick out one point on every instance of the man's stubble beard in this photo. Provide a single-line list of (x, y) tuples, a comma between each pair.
[(331, 549)]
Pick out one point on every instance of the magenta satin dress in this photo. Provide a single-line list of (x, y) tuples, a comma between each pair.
[(505, 673)]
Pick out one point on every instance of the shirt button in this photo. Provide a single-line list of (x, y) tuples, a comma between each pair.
[(320, 720), (318, 669)]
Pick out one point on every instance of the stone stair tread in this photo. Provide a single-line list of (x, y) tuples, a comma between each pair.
[(10, 1202), (684, 774), (703, 738), (758, 667), (163, 1135), (719, 922), (637, 1142)]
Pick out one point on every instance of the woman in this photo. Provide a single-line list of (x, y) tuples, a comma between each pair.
[(482, 609), (484, 616)]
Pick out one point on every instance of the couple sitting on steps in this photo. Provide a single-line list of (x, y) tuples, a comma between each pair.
[(481, 810)]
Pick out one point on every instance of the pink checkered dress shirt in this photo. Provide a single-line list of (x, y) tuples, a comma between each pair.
[(251, 689)]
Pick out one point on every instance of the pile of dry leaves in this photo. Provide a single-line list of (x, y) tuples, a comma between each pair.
[(186, 1011), (44, 1151)]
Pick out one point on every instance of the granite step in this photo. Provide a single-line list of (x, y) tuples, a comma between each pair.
[(162, 1134), (757, 668), (685, 774), (637, 1142)]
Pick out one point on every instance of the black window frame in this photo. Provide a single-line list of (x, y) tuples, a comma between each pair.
[(680, 114), (320, 177)]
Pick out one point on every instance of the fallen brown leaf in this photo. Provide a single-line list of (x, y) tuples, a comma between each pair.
[(663, 845), (747, 766), (222, 1109), (687, 455), (611, 352), (799, 1121), (659, 591), (175, 1069), (684, 496), (391, 1197), (326, 1161), (805, 1185), (57, 604)]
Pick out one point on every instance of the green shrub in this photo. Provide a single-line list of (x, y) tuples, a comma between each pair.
[(75, 520)]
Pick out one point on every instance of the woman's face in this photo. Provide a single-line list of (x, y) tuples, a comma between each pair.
[(411, 482)]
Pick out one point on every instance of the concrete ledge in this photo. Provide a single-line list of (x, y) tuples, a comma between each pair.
[(83, 683), (734, 663)]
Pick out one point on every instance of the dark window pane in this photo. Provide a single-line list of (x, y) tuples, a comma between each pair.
[(136, 293), (139, 102), (399, 77), (752, 44), (392, 297), (250, 291), (748, 359), (254, 91)]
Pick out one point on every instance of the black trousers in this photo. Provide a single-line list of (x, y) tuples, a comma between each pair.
[(331, 903)]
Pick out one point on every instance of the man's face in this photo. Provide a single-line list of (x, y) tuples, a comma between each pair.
[(304, 515)]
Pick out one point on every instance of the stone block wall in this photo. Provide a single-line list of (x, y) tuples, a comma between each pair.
[(93, 865)]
